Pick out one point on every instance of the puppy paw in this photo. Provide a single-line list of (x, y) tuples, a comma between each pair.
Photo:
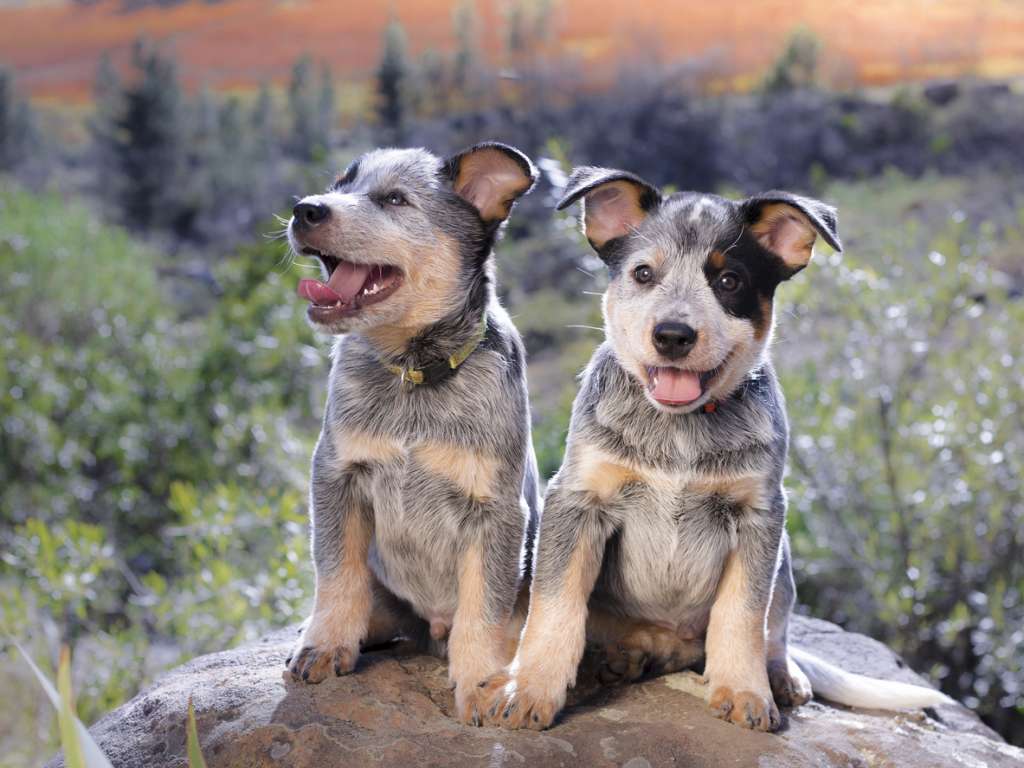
[(469, 704), (790, 686), (513, 702), (315, 656), (647, 650), (748, 709)]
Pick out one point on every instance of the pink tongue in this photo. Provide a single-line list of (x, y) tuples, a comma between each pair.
[(674, 386), (344, 284)]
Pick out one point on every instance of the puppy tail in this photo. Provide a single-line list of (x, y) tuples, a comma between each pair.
[(832, 683)]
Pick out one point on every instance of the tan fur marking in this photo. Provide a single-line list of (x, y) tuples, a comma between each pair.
[(601, 477), (717, 259), (555, 632), (748, 491), (432, 281), (549, 653), (355, 447), (344, 597), (762, 328), (473, 472), (736, 635), (477, 647), (603, 474)]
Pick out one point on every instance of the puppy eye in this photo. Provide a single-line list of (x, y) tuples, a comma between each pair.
[(729, 281), (643, 274), (395, 198)]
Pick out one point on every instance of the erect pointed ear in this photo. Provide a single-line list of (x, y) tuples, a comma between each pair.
[(614, 202), (491, 176), (788, 225)]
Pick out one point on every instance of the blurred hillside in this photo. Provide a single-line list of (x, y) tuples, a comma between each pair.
[(55, 46)]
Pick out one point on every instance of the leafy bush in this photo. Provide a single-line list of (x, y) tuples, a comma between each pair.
[(152, 489), (905, 394)]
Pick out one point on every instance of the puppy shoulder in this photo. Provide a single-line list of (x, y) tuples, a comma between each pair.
[(763, 393)]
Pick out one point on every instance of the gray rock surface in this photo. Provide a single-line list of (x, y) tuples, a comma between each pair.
[(394, 712)]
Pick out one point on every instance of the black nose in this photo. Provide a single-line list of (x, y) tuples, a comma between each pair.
[(308, 215), (674, 340)]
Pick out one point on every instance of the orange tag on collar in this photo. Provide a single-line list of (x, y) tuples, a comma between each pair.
[(710, 406)]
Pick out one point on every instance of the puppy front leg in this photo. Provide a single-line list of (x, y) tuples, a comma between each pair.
[(532, 690), (488, 585), (342, 530), (790, 685), (736, 658)]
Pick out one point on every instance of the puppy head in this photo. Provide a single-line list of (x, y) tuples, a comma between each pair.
[(688, 310), (402, 236)]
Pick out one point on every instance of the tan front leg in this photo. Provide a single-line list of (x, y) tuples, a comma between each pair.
[(736, 660), (477, 645), (341, 610), (533, 688)]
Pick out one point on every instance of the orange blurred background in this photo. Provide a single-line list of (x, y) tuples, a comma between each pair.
[(54, 45)]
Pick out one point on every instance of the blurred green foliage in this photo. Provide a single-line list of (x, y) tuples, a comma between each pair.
[(152, 489), (901, 361)]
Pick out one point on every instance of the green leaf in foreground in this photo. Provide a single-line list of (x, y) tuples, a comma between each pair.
[(90, 754), (66, 714), (195, 755)]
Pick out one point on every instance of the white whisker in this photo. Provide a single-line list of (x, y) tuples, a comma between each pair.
[(734, 243)]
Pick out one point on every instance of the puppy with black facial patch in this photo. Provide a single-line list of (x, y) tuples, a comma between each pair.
[(424, 481), (663, 534)]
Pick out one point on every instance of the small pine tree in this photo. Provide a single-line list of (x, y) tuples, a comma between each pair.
[(17, 125), (391, 83), (797, 65), (515, 31), (108, 100), (151, 143), (466, 55), (306, 140), (326, 110), (262, 121)]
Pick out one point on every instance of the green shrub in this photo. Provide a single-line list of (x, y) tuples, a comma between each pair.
[(901, 364), (152, 489)]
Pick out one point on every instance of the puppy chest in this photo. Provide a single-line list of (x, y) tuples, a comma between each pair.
[(666, 557), (419, 464)]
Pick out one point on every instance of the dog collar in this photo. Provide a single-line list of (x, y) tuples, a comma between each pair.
[(710, 406), (436, 372)]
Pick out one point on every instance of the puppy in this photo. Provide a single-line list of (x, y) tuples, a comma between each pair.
[(424, 481), (663, 534)]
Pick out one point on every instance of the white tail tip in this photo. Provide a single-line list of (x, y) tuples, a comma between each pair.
[(832, 683)]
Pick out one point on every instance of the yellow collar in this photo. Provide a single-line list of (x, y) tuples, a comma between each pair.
[(438, 371)]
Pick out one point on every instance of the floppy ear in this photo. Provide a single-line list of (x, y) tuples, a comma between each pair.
[(788, 225), (491, 176), (614, 202)]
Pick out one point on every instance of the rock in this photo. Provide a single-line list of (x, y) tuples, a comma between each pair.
[(394, 712)]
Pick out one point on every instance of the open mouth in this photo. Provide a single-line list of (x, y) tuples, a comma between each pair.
[(349, 288), (676, 387)]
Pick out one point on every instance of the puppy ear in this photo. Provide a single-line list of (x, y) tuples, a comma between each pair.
[(614, 202), (788, 225), (491, 176)]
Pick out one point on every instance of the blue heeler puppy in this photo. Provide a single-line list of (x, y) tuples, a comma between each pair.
[(663, 535), (424, 482)]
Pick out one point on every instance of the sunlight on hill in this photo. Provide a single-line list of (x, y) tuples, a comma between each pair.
[(55, 46)]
